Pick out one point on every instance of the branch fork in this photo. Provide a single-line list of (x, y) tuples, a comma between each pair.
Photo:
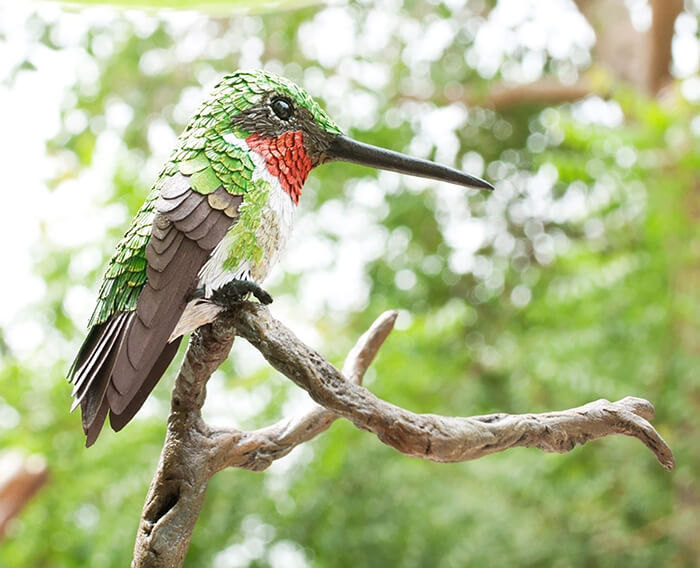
[(194, 452)]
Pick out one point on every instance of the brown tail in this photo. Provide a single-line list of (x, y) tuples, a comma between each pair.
[(123, 358), (92, 375)]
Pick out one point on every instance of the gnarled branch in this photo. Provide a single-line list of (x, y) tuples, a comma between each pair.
[(441, 438), (257, 450), (194, 452)]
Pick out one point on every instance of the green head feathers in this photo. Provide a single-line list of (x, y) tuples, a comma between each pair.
[(241, 90), (253, 102)]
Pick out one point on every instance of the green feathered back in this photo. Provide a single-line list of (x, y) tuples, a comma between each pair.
[(210, 162)]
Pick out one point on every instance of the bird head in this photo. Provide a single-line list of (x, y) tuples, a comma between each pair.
[(278, 120)]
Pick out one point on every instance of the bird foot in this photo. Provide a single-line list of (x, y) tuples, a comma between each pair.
[(233, 292)]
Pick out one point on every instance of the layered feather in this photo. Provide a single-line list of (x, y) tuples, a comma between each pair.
[(124, 356)]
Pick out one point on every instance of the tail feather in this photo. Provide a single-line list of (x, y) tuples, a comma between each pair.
[(96, 390), (118, 421), (99, 355), (95, 368), (93, 430), (197, 313)]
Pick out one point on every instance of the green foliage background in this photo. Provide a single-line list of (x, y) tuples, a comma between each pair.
[(561, 304)]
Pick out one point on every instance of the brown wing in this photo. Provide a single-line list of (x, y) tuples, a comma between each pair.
[(123, 358)]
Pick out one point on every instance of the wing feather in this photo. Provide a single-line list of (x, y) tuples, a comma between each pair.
[(110, 333), (185, 211), (201, 230), (195, 217), (118, 421), (124, 357), (208, 241), (159, 262), (165, 238), (175, 186)]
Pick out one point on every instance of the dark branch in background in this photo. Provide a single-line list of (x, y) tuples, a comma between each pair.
[(544, 92), (664, 14), (20, 478), (619, 47), (640, 59), (194, 452)]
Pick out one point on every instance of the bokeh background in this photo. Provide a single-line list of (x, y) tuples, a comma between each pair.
[(578, 278)]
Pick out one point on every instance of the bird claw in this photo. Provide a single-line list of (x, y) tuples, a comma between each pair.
[(236, 290), (196, 294)]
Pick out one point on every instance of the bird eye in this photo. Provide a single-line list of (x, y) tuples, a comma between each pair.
[(282, 108)]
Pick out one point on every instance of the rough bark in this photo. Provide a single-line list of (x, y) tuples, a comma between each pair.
[(434, 437), (194, 452), (178, 488)]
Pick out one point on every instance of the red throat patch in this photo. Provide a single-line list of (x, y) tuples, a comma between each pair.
[(285, 159)]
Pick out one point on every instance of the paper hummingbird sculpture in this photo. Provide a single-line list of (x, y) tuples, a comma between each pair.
[(213, 226)]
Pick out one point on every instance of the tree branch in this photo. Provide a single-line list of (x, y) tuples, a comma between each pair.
[(194, 452), (641, 59), (621, 52), (618, 46), (440, 438), (257, 450), (20, 478), (663, 20), (177, 490), (545, 91)]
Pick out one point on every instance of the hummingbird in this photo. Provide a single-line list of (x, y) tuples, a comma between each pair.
[(209, 231)]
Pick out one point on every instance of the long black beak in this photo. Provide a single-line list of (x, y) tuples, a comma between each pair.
[(348, 150)]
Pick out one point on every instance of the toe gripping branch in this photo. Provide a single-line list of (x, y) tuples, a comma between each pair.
[(233, 292)]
